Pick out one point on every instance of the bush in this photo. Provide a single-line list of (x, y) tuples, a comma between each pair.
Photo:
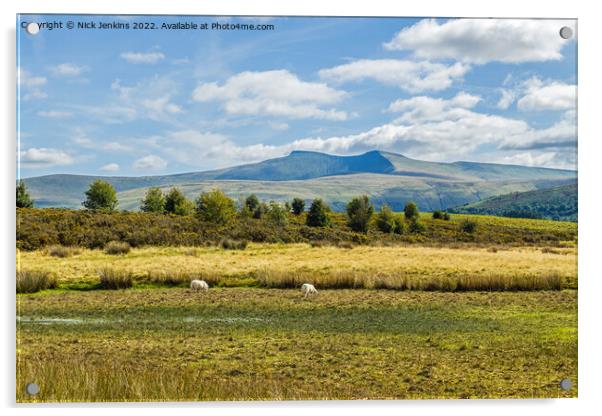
[(415, 226), (153, 201), (446, 216), (277, 215), (112, 279), (468, 226), (385, 220), (298, 206), (228, 244), (23, 198), (62, 251), (117, 247), (176, 203), (399, 226), (215, 207), (411, 211), (318, 215), (101, 196), (359, 212), (252, 202), (437, 215), (31, 281)]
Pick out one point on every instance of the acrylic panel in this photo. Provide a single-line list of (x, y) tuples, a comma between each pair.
[(218, 208)]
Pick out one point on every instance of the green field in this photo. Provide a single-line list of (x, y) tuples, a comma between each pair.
[(271, 344)]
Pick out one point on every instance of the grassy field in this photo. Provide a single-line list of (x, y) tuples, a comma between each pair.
[(259, 344), (290, 265), (441, 313)]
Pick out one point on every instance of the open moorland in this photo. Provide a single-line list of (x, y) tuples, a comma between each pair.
[(444, 311)]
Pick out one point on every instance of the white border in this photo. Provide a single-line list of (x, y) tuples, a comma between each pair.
[(590, 203)]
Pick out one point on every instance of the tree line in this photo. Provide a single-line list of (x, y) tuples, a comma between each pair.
[(216, 207)]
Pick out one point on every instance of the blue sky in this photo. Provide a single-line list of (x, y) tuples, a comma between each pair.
[(148, 102)]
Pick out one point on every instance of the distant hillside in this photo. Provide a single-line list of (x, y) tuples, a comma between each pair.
[(559, 203), (385, 176)]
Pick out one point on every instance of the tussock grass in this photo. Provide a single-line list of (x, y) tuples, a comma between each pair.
[(62, 251), (229, 244), (111, 278), (31, 281), (117, 248), (272, 265), (401, 281)]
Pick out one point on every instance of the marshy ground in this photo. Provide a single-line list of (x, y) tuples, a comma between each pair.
[(271, 344)]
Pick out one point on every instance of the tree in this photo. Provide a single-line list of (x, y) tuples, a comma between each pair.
[(101, 196), (23, 198), (298, 206), (318, 214), (437, 215), (385, 220), (411, 211), (252, 202), (176, 203), (359, 212), (215, 206), (277, 215), (154, 201)]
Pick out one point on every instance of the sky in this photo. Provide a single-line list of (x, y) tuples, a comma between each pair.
[(134, 102)]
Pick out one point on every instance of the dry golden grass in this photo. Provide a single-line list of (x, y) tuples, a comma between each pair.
[(280, 265)]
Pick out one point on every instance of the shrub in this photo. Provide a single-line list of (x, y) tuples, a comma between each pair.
[(215, 207), (252, 202), (101, 196), (385, 220), (399, 225), (437, 215), (415, 226), (153, 201), (23, 198), (31, 281), (318, 215), (468, 226), (117, 247), (176, 203), (228, 244), (298, 206), (411, 211), (62, 251), (359, 212), (112, 279), (261, 209), (446, 216), (277, 215)]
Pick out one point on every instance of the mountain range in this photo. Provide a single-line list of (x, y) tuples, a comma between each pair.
[(386, 177)]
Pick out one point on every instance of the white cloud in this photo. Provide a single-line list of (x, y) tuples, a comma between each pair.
[(55, 114), (82, 140), (142, 57), (67, 70), (148, 99), (408, 75), (31, 85), (421, 108), (480, 41), (274, 93), (111, 167), (507, 98), (547, 95), (150, 162), (44, 157)]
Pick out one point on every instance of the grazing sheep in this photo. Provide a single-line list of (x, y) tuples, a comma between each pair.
[(199, 285), (308, 289)]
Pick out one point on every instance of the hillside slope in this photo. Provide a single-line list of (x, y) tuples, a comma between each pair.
[(559, 203), (386, 176)]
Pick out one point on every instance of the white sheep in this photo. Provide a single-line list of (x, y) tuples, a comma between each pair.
[(308, 289), (199, 285)]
